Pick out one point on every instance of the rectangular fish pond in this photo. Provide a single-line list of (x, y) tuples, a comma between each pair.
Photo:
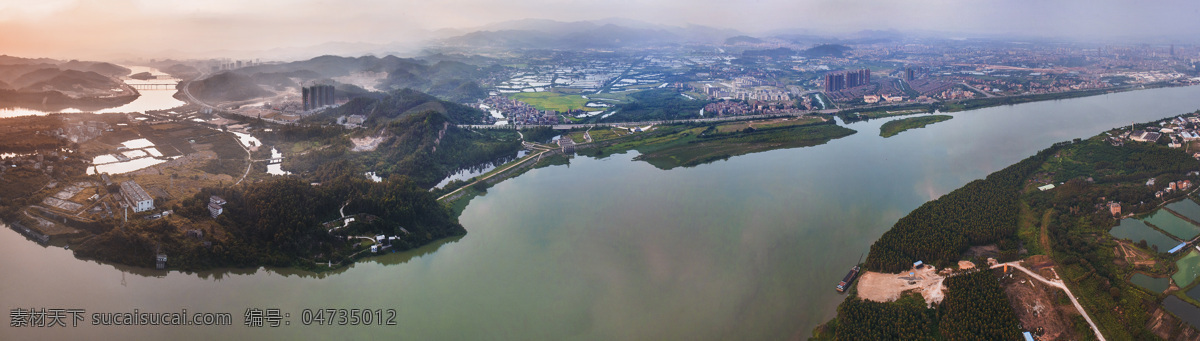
[(1186, 208), (1189, 268), (1166, 221), (1156, 285), (1136, 231)]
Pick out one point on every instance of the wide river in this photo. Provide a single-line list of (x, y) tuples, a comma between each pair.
[(748, 248)]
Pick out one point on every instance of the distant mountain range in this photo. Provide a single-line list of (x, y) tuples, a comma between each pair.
[(604, 34), (50, 84), (445, 76)]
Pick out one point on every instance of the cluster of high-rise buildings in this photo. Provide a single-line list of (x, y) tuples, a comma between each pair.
[(317, 96), (847, 79), (230, 64)]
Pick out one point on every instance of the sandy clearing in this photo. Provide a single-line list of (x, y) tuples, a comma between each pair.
[(884, 287)]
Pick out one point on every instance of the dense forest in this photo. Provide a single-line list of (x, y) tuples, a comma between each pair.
[(1107, 163), (539, 134), (657, 104), (424, 146), (892, 128), (379, 111), (906, 319), (981, 212), (1088, 174), (975, 308), (279, 222), (437, 75)]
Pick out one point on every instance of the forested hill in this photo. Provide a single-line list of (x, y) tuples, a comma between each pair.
[(416, 137), (975, 308), (1005, 209), (279, 222), (426, 147), (452, 80), (399, 103), (938, 232)]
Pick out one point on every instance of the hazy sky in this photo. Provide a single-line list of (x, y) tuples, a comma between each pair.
[(151, 28)]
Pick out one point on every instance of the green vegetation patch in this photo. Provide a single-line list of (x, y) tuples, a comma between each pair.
[(1189, 268), (975, 308), (699, 146), (551, 100), (1133, 161), (425, 146), (657, 104), (767, 124), (981, 212), (892, 128), (278, 222)]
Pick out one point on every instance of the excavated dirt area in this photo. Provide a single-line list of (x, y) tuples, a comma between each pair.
[(884, 287), (1036, 305)]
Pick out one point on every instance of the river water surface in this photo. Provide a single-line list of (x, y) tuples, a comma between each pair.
[(748, 248)]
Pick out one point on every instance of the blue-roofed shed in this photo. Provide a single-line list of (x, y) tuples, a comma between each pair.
[(1177, 247)]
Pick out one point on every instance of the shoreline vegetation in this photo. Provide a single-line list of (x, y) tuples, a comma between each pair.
[(893, 128), (1099, 181), (419, 141), (873, 112)]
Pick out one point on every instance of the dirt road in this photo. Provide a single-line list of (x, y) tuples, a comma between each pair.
[(1059, 284)]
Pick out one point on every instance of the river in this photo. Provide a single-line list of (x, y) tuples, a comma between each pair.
[(149, 100), (748, 248)]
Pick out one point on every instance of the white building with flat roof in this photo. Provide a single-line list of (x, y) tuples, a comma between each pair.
[(137, 197)]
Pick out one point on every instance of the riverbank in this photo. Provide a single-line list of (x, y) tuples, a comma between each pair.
[(892, 128), (1096, 183), (54, 101), (612, 248)]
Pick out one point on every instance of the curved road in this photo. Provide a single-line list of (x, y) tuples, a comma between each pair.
[(194, 100), (1058, 284)]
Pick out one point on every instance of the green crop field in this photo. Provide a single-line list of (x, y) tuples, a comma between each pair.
[(551, 100)]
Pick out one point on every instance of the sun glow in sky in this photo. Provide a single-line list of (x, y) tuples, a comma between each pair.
[(149, 28)]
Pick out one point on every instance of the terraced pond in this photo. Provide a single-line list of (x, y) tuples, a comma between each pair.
[(1135, 230), (1187, 208), (1174, 225), (1157, 285)]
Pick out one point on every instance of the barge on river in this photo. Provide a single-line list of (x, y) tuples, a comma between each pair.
[(841, 287)]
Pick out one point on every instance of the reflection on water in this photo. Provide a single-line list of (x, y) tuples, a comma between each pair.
[(1173, 224), (1186, 312), (148, 101), (124, 167), (614, 248), (247, 140), (137, 154), (276, 167), (1187, 208), (14, 112), (1136, 231), (1156, 285), (469, 172)]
